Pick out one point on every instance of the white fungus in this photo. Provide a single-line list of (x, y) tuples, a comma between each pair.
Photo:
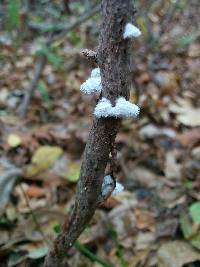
[(118, 189), (131, 31), (91, 85), (122, 109), (108, 185), (95, 73)]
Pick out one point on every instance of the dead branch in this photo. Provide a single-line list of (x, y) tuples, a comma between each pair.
[(114, 62), (39, 66)]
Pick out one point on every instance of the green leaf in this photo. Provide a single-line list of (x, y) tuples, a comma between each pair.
[(188, 230), (13, 19), (52, 57), (57, 228), (195, 241), (195, 212), (186, 225), (74, 38), (187, 40)]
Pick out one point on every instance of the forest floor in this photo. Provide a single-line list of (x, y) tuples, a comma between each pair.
[(155, 221)]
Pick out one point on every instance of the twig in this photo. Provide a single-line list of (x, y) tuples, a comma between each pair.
[(63, 26), (40, 64), (34, 216), (7, 181), (28, 95), (114, 62)]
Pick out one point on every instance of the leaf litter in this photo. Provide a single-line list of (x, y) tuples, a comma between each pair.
[(156, 218)]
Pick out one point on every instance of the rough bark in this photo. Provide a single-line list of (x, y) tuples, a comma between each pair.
[(114, 62)]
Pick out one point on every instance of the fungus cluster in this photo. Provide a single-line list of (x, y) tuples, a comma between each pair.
[(122, 109), (93, 83), (104, 108)]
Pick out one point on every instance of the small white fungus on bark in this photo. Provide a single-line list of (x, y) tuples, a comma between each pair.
[(91, 85), (95, 73), (122, 109), (118, 189), (107, 186), (131, 31)]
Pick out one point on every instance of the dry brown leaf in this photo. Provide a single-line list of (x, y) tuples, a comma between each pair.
[(176, 254), (144, 220), (35, 191), (172, 168), (186, 114), (168, 81)]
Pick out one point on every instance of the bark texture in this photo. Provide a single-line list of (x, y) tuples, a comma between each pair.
[(114, 62)]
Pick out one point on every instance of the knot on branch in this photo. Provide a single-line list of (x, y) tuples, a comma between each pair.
[(89, 54)]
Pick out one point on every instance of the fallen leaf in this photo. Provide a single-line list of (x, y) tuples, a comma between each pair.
[(167, 81), (151, 131), (14, 140), (46, 219), (38, 252), (176, 254), (144, 240), (144, 220), (43, 158), (186, 113), (35, 191), (195, 212), (189, 138), (172, 168), (73, 171)]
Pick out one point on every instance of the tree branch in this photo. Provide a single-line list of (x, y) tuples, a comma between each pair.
[(114, 62)]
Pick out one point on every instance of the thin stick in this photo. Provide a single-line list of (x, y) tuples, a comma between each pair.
[(34, 217), (28, 95)]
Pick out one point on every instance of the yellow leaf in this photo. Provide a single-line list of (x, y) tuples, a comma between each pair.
[(142, 24), (43, 158), (14, 140), (73, 171)]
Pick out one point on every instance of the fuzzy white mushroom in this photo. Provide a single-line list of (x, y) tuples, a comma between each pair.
[(122, 109), (91, 85), (131, 31), (95, 73), (103, 108), (107, 186), (118, 189)]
